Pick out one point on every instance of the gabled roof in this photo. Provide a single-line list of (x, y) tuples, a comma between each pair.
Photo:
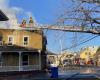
[(3, 17)]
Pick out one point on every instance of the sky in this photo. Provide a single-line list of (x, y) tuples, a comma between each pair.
[(43, 12)]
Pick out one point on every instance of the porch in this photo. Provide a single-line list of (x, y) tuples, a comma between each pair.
[(20, 61)]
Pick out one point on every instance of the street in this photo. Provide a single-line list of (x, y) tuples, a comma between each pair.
[(84, 77), (88, 73)]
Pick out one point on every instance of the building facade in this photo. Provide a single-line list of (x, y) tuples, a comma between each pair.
[(87, 55), (52, 59), (66, 58), (97, 57), (22, 50)]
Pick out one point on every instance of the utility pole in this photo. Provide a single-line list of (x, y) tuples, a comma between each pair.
[(74, 41), (60, 45)]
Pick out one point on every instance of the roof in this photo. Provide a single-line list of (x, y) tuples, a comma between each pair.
[(3, 17), (50, 53), (6, 48), (35, 31)]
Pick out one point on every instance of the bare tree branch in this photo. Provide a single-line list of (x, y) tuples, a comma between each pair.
[(82, 12)]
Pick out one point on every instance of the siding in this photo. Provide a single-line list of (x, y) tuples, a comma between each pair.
[(35, 39)]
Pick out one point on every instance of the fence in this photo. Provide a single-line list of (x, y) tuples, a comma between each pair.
[(19, 68)]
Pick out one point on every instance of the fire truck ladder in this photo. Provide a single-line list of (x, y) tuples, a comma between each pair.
[(64, 28)]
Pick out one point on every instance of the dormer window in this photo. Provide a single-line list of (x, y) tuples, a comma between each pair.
[(25, 40), (10, 40)]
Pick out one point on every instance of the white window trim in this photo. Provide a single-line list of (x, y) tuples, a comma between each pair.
[(28, 40), (12, 40)]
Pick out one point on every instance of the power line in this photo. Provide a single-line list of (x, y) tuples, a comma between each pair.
[(82, 42)]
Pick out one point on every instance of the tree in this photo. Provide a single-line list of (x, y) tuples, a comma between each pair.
[(82, 13)]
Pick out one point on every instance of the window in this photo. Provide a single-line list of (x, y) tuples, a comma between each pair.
[(10, 40), (26, 40), (86, 53), (89, 53)]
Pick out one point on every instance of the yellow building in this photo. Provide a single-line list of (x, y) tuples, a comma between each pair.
[(22, 50), (88, 53), (97, 57)]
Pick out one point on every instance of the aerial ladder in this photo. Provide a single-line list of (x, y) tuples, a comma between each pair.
[(61, 28)]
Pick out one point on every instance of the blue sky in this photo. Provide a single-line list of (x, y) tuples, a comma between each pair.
[(46, 12)]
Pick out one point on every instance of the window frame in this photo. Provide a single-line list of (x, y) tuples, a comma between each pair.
[(27, 41), (11, 41)]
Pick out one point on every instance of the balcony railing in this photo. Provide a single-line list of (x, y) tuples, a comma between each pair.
[(19, 68)]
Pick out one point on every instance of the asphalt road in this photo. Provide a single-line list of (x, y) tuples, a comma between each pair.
[(83, 77), (82, 74), (87, 74)]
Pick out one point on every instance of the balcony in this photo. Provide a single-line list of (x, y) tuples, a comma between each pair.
[(19, 68)]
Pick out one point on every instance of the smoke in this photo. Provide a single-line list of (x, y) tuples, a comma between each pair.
[(11, 13)]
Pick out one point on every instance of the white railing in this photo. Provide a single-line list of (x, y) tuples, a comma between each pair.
[(19, 68)]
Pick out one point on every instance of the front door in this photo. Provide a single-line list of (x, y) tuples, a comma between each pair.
[(25, 59)]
